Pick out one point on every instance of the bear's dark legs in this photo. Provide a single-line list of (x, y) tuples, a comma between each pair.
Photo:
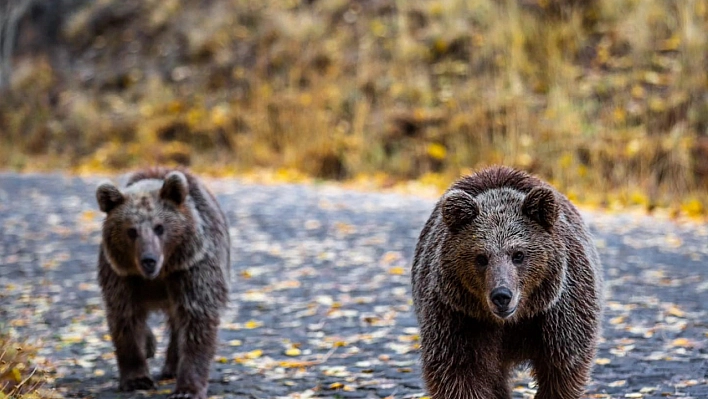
[(564, 362), (561, 383), (502, 391), (473, 373), (459, 383), (501, 387), (462, 357), (150, 344), (130, 336), (195, 356), (197, 294), (169, 370)]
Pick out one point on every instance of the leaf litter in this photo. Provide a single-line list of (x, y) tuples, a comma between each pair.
[(321, 299)]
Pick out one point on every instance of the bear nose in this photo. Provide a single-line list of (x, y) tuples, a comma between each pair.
[(501, 297), (148, 263)]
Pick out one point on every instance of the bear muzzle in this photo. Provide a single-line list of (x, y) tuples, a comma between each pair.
[(502, 302), (150, 265)]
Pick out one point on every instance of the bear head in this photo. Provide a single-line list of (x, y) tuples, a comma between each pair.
[(145, 223), (503, 248)]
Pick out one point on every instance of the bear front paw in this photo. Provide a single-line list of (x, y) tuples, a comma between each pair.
[(137, 384), (185, 395)]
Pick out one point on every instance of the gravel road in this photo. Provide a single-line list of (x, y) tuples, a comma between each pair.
[(321, 303)]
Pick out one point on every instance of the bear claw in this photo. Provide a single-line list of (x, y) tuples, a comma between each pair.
[(137, 384), (184, 395)]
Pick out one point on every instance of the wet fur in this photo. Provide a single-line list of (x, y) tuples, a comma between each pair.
[(191, 287), (468, 352)]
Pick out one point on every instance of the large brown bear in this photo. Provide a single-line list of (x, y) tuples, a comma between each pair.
[(506, 273), (165, 248)]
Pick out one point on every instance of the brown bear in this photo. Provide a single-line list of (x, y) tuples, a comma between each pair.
[(165, 247), (505, 273)]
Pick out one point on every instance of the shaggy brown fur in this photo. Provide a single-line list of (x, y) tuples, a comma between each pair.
[(165, 248), (506, 273)]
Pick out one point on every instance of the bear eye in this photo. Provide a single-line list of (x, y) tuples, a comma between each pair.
[(518, 257), (159, 229), (132, 233), (481, 260)]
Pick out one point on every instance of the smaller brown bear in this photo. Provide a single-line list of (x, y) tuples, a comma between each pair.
[(506, 273), (165, 247)]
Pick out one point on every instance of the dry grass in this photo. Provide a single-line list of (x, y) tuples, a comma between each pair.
[(606, 98), (19, 377)]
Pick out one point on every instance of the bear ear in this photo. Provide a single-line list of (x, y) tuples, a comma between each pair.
[(540, 205), (458, 210), (174, 188), (108, 197)]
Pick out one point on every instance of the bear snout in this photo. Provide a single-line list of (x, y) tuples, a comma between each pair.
[(148, 263), (501, 298)]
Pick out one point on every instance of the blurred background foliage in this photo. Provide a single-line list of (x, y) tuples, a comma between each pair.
[(607, 99)]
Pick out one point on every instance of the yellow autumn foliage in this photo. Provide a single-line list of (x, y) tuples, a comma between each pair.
[(605, 98)]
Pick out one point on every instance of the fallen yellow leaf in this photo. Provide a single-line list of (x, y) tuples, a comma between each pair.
[(675, 311), (682, 342), (251, 324), (88, 216), (293, 352)]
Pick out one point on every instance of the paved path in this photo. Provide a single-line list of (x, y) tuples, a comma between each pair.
[(321, 297)]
